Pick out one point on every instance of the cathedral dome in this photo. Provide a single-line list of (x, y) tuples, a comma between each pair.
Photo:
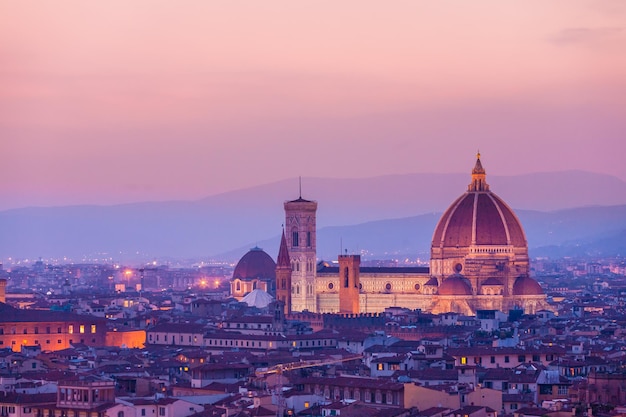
[(478, 217), (455, 285), (525, 285), (255, 264)]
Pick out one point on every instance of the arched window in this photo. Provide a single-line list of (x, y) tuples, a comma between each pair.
[(346, 276), (238, 285)]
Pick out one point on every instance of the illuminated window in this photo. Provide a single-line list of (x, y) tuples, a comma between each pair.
[(81, 329), (307, 404), (463, 360), (93, 328), (70, 329), (379, 367)]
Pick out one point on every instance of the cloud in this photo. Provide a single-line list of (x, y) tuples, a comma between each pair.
[(572, 36)]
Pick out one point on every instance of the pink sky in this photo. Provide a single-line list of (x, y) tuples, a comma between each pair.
[(108, 102)]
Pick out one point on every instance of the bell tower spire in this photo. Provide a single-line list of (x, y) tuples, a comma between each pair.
[(283, 276), (479, 177)]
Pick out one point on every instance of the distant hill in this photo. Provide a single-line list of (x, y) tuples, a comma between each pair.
[(349, 216), (572, 232)]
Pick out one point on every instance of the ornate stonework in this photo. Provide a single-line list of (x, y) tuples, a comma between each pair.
[(479, 260), (300, 232)]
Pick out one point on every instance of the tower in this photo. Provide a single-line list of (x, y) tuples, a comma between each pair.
[(283, 276), (3, 286), (301, 242), (349, 284)]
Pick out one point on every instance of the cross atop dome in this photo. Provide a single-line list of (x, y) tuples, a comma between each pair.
[(479, 177), (478, 168)]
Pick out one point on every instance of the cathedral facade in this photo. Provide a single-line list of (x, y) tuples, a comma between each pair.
[(479, 260)]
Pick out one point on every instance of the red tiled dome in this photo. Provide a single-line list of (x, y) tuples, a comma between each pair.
[(525, 285), (455, 285), (255, 264), (478, 217)]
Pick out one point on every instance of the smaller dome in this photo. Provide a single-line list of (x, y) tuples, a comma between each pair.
[(525, 285), (432, 282), (255, 264), (455, 285)]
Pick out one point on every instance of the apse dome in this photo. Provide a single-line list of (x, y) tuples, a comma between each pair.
[(256, 264), (525, 285), (455, 285)]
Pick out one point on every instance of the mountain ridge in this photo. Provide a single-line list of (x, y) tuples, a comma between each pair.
[(216, 224)]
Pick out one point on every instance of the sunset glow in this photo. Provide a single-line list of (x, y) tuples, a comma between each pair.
[(149, 100)]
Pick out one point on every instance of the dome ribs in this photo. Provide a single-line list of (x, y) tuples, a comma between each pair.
[(490, 226)]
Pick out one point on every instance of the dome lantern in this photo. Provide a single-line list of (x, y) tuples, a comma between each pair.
[(479, 177)]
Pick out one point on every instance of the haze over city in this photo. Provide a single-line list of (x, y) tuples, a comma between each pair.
[(106, 103)]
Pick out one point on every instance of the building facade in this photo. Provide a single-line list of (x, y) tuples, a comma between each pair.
[(52, 330), (479, 261)]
